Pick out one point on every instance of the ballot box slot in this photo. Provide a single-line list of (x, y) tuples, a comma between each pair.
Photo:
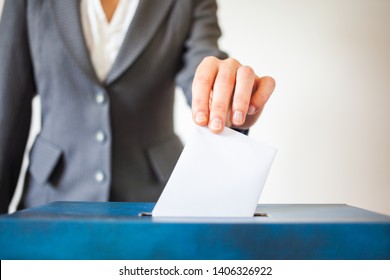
[(260, 215), (145, 214), (149, 214)]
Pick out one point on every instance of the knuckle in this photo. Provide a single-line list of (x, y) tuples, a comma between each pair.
[(261, 99), (226, 78), (203, 79), (200, 101), (241, 102), (269, 80), (210, 59), (218, 107), (246, 71), (230, 61)]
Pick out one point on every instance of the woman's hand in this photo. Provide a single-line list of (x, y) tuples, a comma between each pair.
[(226, 93)]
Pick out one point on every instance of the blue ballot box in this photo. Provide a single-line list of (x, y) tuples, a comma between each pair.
[(93, 230)]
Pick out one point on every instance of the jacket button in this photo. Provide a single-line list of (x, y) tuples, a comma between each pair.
[(100, 98), (99, 176), (100, 136)]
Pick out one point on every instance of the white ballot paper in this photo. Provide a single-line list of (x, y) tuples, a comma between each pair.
[(217, 175)]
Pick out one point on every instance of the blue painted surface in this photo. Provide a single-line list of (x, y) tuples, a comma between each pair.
[(91, 230)]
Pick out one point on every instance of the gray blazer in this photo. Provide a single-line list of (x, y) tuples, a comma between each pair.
[(98, 142)]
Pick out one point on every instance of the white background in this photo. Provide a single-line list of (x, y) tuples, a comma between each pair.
[(281, 270), (329, 116)]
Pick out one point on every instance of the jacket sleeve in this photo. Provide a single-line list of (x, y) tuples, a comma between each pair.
[(17, 89), (202, 41)]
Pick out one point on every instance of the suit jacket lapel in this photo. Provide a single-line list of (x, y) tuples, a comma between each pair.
[(147, 19), (68, 22)]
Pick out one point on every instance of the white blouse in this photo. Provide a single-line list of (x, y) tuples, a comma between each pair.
[(103, 38)]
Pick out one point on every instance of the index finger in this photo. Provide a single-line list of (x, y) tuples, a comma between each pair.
[(201, 89)]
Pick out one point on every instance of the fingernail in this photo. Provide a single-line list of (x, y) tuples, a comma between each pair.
[(200, 117), (238, 117), (251, 110), (216, 124)]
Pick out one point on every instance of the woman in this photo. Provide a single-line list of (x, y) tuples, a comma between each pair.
[(106, 86)]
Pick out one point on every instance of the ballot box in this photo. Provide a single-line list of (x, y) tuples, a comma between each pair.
[(98, 230)]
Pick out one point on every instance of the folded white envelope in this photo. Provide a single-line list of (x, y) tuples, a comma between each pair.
[(217, 175)]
